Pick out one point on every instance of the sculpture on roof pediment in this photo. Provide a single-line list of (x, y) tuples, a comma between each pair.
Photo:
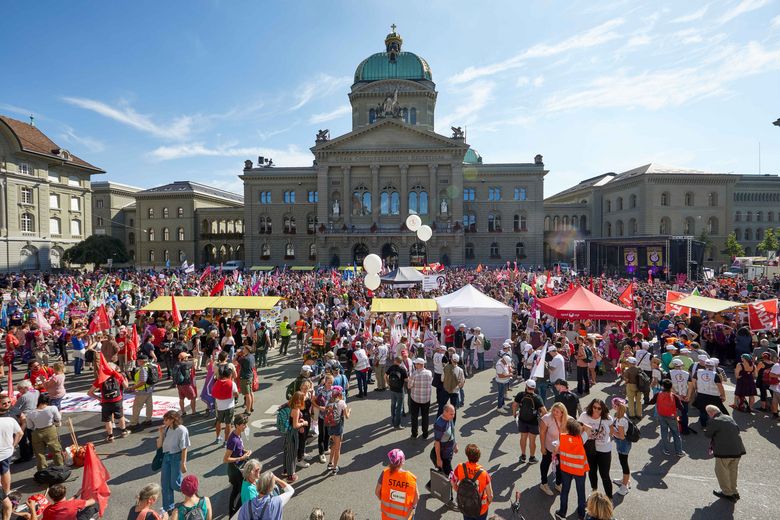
[(389, 107), (247, 164), (457, 132), (538, 159), (323, 135)]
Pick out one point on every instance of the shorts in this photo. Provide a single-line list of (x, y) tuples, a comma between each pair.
[(5, 466), (245, 386), (110, 411), (225, 416), (524, 427), (186, 392), (336, 431)]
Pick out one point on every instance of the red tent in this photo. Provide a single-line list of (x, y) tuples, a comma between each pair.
[(579, 303)]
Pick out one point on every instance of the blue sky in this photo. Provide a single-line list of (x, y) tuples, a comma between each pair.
[(159, 91)]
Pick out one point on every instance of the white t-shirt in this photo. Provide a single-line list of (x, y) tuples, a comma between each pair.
[(600, 431), (503, 372), (644, 359), (226, 404), (557, 368), (623, 421), (680, 382), (8, 428), (776, 371)]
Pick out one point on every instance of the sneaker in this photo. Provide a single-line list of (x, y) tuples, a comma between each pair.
[(522, 459), (617, 481), (558, 488), (622, 490), (330, 465), (666, 452), (532, 460), (303, 464), (335, 470), (322, 459), (682, 454), (327, 452), (546, 489), (220, 439)]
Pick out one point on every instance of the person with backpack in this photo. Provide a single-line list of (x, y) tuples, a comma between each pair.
[(322, 397), (146, 375), (619, 431), (246, 366), (453, 379), (584, 356), (396, 376), (184, 379), (668, 405), (527, 408), (111, 394), (193, 507), (631, 376), (568, 398), (224, 392), (262, 344), (472, 487)]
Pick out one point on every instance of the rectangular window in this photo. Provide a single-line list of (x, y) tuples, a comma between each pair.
[(469, 195), (289, 197), (521, 193), (24, 168), (74, 180), (265, 197), (99, 203), (75, 228), (99, 221), (494, 194), (54, 226), (54, 176), (75, 204), (54, 201), (27, 195), (314, 196)]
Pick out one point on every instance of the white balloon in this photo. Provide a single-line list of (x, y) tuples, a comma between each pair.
[(413, 222), (372, 264), (424, 233), (372, 281)]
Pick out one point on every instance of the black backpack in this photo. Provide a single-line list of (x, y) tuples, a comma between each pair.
[(192, 512), (110, 388), (632, 432), (394, 379), (469, 498), (183, 375), (527, 412), (52, 475), (152, 374)]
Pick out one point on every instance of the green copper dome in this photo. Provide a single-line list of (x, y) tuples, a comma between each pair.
[(406, 65), (472, 157)]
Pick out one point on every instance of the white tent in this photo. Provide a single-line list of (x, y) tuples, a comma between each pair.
[(468, 305)]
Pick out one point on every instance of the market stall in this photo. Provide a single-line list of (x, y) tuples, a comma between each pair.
[(579, 303)]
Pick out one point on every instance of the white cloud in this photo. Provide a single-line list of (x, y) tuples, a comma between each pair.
[(776, 22), (330, 116), (696, 15), (522, 81), (16, 110), (320, 86), (476, 96), (744, 6), (538, 81), (179, 129), (592, 37), (671, 87), (89, 143), (637, 41), (291, 156)]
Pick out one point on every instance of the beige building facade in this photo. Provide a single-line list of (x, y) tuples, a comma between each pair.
[(45, 198), (110, 216)]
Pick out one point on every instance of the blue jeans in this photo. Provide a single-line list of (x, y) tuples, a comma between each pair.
[(501, 393), (542, 385), (78, 365), (362, 382), (56, 402), (480, 361), (579, 482), (480, 517), (669, 425), (396, 407), (171, 479), (468, 358)]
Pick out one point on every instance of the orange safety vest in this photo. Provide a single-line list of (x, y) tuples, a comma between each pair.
[(300, 326), (397, 495), (318, 337), (572, 455), (468, 470)]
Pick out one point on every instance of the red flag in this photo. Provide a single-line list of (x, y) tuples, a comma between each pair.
[(220, 285), (763, 315), (591, 284), (515, 266), (206, 272), (627, 296), (601, 286), (132, 344), (11, 392), (100, 321), (649, 277), (479, 268), (104, 372), (94, 481), (175, 311)]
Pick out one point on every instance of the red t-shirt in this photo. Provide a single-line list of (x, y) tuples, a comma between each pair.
[(449, 333), (64, 509), (158, 335)]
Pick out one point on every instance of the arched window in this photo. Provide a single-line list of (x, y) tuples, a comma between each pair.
[(395, 203), (28, 223), (151, 235), (265, 251), (494, 222), (405, 114), (418, 200), (371, 116), (131, 238), (311, 223), (384, 203), (738, 216), (738, 234), (151, 212), (632, 227), (312, 251), (180, 212), (619, 203), (412, 202), (749, 216), (166, 235), (520, 250), (689, 198), (182, 256), (632, 201), (760, 234), (520, 223), (494, 253), (619, 226), (265, 224), (712, 226), (389, 201), (748, 234), (470, 222), (361, 201), (565, 222), (151, 255), (609, 206), (469, 251), (608, 228), (166, 255), (289, 251), (759, 216), (547, 224), (165, 212), (180, 234), (556, 223), (413, 116), (666, 226), (289, 224), (712, 199), (665, 198), (689, 226)]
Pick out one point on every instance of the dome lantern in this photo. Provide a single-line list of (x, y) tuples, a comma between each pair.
[(393, 43)]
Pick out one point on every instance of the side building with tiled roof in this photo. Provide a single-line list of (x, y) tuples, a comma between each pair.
[(45, 198)]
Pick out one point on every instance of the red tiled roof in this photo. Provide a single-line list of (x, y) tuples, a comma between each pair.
[(33, 140)]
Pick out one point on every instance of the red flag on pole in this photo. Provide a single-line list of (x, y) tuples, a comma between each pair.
[(94, 481), (206, 272), (218, 287), (100, 321), (601, 286), (591, 284), (133, 343), (175, 311), (627, 296), (104, 372), (650, 277)]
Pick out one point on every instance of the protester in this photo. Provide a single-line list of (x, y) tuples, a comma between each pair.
[(192, 502), (336, 413), (250, 472), (619, 430), (598, 423), (43, 421), (291, 439), (472, 486), (551, 425), (420, 396), (599, 507), (184, 379), (144, 503), (54, 386), (266, 506), (234, 457), (669, 405), (396, 377), (60, 508), (574, 466), (174, 439), (225, 392), (707, 386), (396, 489), (111, 390), (10, 435), (246, 364), (143, 390), (527, 408), (503, 378), (567, 397), (728, 449)]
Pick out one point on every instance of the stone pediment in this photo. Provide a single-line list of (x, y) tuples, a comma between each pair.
[(389, 135)]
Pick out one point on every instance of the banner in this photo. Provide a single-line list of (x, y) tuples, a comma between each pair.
[(673, 296), (74, 402), (433, 281), (655, 256), (630, 257), (763, 315)]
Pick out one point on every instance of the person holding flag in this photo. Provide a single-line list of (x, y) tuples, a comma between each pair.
[(111, 385)]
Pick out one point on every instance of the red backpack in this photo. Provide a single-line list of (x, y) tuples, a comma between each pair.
[(222, 389), (667, 404)]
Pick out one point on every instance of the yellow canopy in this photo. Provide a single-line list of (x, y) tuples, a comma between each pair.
[(261, 268), (302, 268), (349, 268), (403, 305), (257, 303), (184, 303), (706, 304)]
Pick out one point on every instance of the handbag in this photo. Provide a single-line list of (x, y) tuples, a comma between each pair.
[(255, 380), (590, 444), (157, 461)]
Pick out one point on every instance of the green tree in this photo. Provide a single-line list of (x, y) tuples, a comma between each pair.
[(769, 244), (734, 248), (97, 249)]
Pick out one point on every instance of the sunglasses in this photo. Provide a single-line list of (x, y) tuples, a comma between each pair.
[(597, 408)]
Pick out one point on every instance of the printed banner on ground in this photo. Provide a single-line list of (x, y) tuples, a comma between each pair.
[(74, 402)]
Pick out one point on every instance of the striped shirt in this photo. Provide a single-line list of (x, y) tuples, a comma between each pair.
[(420, 386)]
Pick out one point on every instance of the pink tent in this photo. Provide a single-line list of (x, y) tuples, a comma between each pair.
[(579, 304)]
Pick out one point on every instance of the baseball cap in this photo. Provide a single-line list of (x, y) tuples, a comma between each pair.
[(710, 363), (552, 348), (676, 363), (530, 383), (455, 358), (419, 361), (631, 360)]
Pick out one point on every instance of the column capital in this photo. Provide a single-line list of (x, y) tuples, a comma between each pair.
[(374, 168), (433, 167), (404, 168), (345, 168)]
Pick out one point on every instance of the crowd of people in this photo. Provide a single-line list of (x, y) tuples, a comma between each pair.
[(659, 366)]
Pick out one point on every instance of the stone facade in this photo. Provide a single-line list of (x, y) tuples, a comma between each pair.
[(45, 198), (110, 215)]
